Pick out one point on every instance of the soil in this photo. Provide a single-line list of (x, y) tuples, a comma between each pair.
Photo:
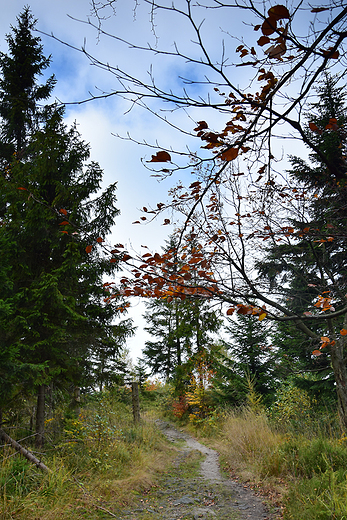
[(194, 489)]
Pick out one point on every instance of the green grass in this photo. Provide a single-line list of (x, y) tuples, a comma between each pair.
[(306, 472), (97, 460)]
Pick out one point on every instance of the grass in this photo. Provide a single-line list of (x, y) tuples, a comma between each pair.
[(99, 461), (305, 473)]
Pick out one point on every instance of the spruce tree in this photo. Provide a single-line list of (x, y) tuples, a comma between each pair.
[(20, 94), (52, 209), (251, 352), (316, 264)]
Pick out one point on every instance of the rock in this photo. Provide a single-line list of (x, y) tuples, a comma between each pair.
[(184, 500)]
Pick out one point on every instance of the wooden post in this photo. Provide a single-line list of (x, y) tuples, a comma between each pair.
[(136, 401)]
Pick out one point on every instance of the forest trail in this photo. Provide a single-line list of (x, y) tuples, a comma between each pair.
[(201, 494)]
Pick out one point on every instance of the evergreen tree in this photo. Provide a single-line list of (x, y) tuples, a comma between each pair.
[(53, 311), (252, 354), (183, 334), (19, 92), (317, 264), (182, 328), (171, 331)]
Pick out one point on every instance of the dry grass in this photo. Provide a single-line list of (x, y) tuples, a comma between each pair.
[(246, 438), (82, 484)]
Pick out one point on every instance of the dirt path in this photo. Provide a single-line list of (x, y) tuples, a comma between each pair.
[(194, 489)]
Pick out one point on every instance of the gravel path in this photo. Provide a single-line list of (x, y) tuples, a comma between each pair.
[(204, 496)]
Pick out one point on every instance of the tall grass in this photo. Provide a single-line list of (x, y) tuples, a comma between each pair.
[(307, 467), (98, 461)]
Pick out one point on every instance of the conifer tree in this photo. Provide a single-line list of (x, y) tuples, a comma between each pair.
[(251, 352), (20, 94), (312, 266), (52, 209)]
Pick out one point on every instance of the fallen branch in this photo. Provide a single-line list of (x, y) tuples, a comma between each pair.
[(23, 451)]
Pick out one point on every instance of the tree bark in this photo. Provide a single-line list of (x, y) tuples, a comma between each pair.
[(23, 451), (136, 402), (339, 367), (40, 417)]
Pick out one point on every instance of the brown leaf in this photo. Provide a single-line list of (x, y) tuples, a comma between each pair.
[(278, 12), (319, 9), (161, 156), (202, 126), (276, 51), (63, 211), (269, 26), (99, 240), (313, 127), (263, 40), (229, 155), (330, 53), (88, 249)]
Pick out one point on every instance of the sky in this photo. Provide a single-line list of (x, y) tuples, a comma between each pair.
[(124, 160), (97, 121)]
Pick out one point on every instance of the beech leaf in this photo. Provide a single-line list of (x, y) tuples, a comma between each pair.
[(161, 156), (89, 248), (263, 40), (278, 12), (229, 155)]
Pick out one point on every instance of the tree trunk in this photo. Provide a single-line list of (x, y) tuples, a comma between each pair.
[(40, 417), (339, 366), (77, 400), (136, 402), (27, 454)]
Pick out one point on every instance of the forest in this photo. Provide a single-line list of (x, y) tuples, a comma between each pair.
[(245, 301)]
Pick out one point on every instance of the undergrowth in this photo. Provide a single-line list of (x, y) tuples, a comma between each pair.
[(99, 460), (304, 470)]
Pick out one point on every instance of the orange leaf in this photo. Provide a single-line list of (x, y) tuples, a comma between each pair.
[(313, 127), (99, 240), (63, 211), (64, 223), (325, 339), (161, 156), (64, 232), (262, 316), (22, 189), (230, 311), (343, 332), (89, 248), (316, 353), (229, 155), (113, 260)]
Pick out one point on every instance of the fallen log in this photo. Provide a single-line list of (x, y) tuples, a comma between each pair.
[(23, 451)]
